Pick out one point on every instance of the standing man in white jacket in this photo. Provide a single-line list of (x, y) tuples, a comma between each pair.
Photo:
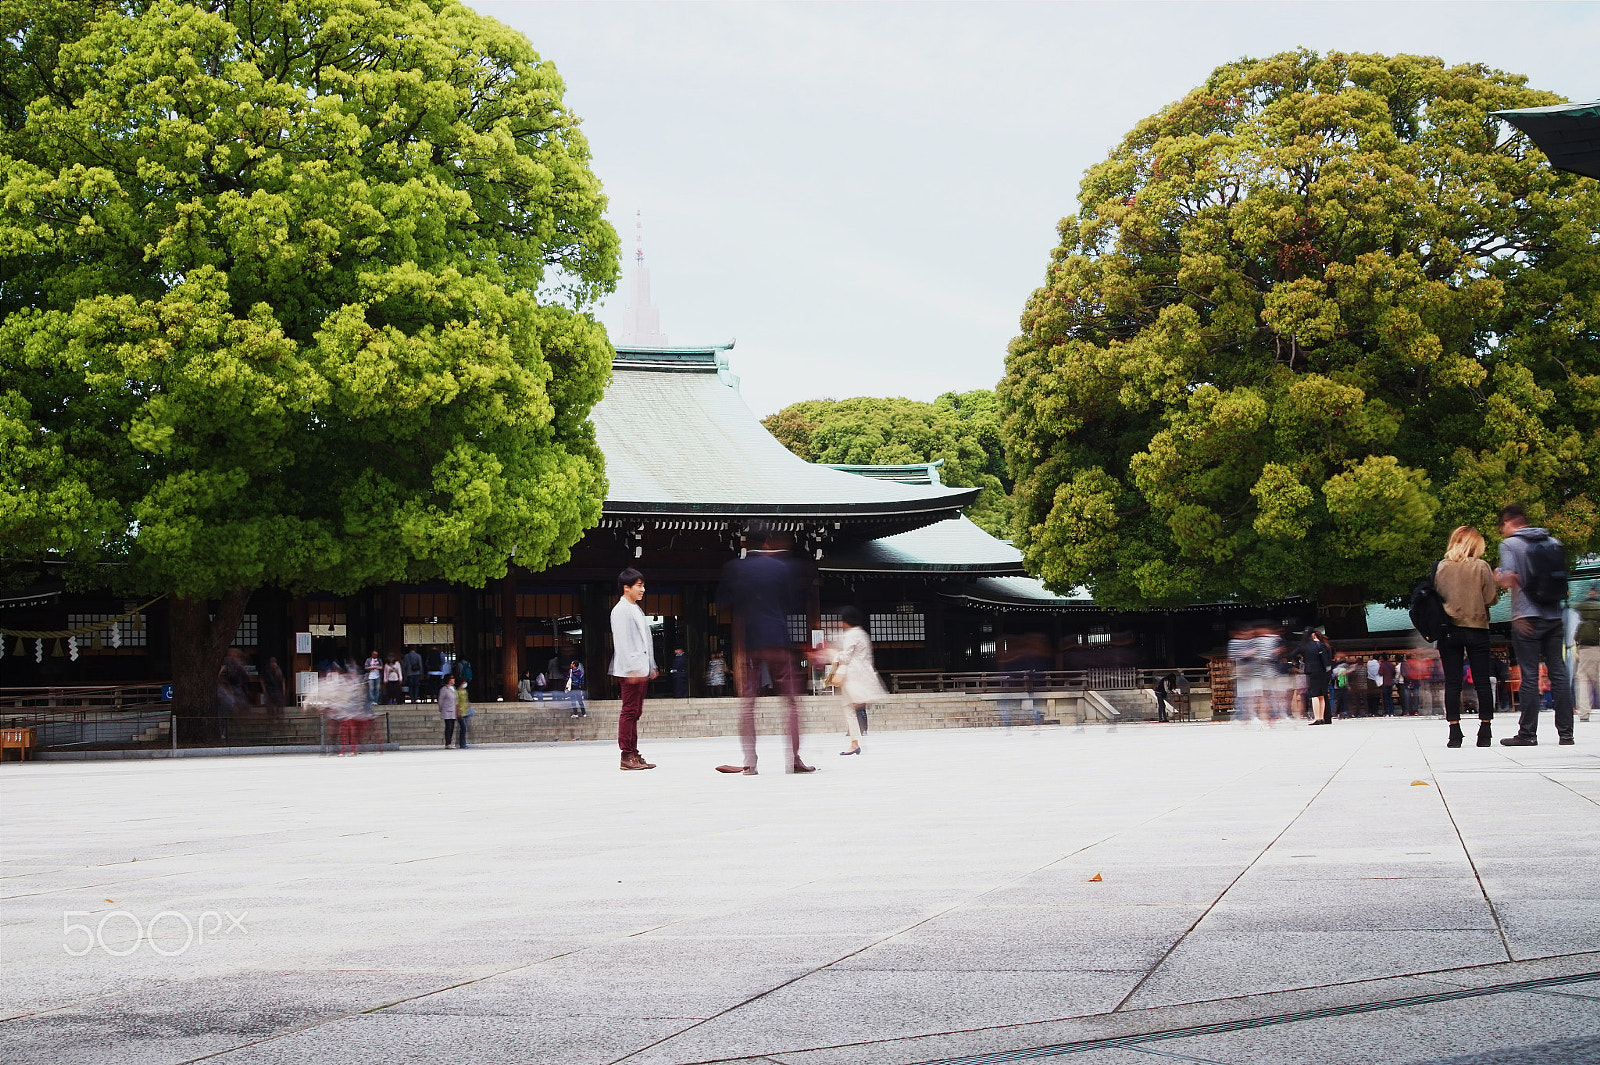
[(633, 663)]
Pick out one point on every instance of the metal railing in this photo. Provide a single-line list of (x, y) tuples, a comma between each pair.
[(1106, 678), (82, 728), (98, 696), (145, 728)]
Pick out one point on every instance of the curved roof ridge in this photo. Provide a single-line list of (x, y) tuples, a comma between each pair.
[(681, 442)]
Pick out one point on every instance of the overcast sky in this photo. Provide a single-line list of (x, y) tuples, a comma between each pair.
[(866, 194)]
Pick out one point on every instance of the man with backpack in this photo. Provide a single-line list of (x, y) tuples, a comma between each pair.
[(1533, 564)]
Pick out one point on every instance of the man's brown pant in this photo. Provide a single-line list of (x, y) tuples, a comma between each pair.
[(632, 706), (780, 663)]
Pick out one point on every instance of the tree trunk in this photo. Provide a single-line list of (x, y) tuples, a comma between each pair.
[(201, 633), (1343, 611)]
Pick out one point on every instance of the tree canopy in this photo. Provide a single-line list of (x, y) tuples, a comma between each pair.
[(294, 294), (960, 428), (1308, 318)]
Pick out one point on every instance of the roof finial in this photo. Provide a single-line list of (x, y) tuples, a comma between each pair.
[(638, 237)]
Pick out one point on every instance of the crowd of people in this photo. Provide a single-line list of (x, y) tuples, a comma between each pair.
[(1279, 676)]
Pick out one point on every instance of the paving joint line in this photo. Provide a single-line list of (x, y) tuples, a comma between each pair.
[(930, 917), (1232, 883), (1132, 1042), (1494, 914)]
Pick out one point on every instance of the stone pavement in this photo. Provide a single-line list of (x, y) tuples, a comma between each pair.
[(1150, 893)]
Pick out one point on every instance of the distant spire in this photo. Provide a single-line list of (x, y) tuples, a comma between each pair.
[(641, 324)]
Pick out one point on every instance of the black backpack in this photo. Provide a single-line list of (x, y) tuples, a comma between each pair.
[(1546, 583), (1427, 608)]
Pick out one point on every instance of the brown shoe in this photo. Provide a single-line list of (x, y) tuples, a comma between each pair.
[(730, 769), (633, 761), (801, 767)]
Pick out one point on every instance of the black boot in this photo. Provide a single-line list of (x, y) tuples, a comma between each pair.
[(1484, 734), (1455, 734)]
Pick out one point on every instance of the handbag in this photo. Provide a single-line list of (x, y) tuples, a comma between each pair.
[(835, 675)]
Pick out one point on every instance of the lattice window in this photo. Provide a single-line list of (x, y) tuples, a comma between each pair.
[(249, 632), (800, 630), (130, 630), (898, 628), (1099, 634)]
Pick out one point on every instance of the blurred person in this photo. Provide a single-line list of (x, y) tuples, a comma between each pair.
[(1021, 660), (1341, 686), (461, 672), (1528, 568), (1467, 589), (411, 670), (433, 665), (1386, 677), (525, 689), (575, 686), (231, 681), (680, 674), (1316, 657), (1272, 651), (1414, 676), (854, 674), (1164, 689), (341, 697), (1249, 691), (447, 711), (272, 688), (633, 663), (762, 589), (374, 671), (1587, 657), (393, 677), (716, 674)]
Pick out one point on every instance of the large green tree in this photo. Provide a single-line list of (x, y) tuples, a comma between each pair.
[(1307, 319), (960, 428), (292, 293)]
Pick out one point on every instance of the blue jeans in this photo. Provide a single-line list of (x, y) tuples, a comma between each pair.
[(1536, 639)]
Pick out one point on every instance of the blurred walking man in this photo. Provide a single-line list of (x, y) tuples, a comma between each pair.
[(763, 589), (1588, 665), (633, 663), (1533, 565)]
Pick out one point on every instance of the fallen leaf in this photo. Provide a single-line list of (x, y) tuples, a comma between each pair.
[(112, 901), (1419, 783), (1093, 878)]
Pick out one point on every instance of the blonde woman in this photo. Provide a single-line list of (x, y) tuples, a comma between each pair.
[(1467, 586), (854, 674)]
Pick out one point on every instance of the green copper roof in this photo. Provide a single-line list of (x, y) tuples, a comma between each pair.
[(679, 439), (953, 546)]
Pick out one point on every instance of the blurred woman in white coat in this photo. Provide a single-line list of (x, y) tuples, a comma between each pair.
[(854, 675)]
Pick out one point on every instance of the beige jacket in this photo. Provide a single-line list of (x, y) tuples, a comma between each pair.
[(1468, 590)]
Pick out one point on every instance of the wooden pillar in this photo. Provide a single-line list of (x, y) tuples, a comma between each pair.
[(597, 601), (510, 636), (393, 631), (813, 606), (936, 651), (695, 635), (300, 613), (467, 637)]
